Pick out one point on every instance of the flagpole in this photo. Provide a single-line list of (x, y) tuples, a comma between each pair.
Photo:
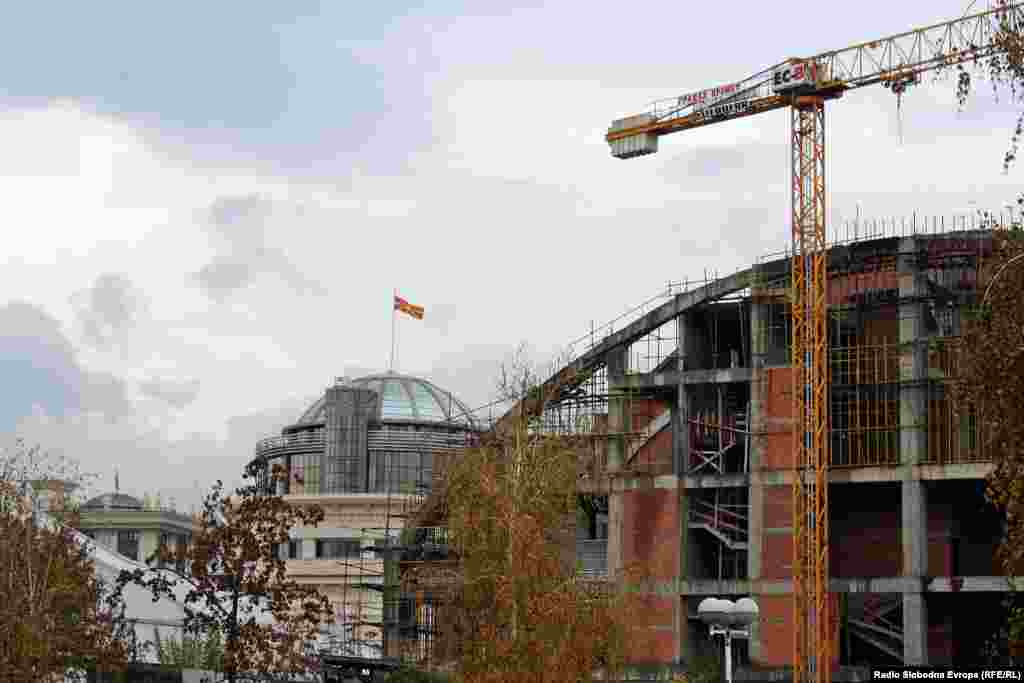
[(391, 365)]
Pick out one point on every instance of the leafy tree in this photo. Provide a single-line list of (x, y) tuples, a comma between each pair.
[(511, 606), (1004, 67), (30, 470), (55, 613), (990, 387), (233, 575)]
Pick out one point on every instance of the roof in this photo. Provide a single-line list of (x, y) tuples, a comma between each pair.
[(113, 501), (402, 398)]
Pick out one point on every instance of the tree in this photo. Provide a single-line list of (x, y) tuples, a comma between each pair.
[(511, 606), (29, 471), (1004, 69), (55, 613), (990, 389), (234, 578)]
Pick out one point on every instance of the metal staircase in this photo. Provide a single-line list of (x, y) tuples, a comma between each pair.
[(879, 624), (727, 523)]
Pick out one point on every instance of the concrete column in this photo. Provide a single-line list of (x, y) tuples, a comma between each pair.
[(615, 364), (681, 409), (308, 550), (755, 546), (913, 364), (344, 466), (681, 456), (618, 408)]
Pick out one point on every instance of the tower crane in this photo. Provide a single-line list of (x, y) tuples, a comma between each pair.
[(804, 85)]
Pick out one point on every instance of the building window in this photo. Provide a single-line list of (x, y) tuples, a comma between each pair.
[(305, 475), (292, 550), (128, 544), (337, 548), (400, 472)]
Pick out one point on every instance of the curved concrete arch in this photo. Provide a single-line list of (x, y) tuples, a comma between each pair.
[(583, 367)]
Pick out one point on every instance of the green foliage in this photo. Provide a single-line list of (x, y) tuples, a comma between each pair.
[(704, 668), (1015, 622), (512, 606), (411, 675), (191, 651)]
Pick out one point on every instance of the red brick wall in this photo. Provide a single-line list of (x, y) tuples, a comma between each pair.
[(651, 530), (645, 410), (776, 630), (840, 289), (652, 635), (651, 538), (777, 553), (778, 420), (657, 450)]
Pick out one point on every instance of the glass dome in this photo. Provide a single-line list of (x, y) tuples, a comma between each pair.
[(402, 398)]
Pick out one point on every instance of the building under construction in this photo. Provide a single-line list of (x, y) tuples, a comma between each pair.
[(696, 397), (689, 399)]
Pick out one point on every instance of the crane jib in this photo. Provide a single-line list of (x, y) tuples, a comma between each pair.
[(727, 109)]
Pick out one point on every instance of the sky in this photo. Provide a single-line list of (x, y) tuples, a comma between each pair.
[(208, 206)]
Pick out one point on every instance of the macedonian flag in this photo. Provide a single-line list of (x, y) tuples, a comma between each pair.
[(406, 307)]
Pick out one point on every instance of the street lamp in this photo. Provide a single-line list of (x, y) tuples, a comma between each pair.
[(730, 620)]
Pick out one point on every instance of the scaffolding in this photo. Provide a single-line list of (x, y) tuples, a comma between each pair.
[(626, 414)]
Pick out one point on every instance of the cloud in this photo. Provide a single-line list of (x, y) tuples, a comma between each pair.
[(218, 280), (241, 230), (111, 305), (174, 393), (41, 370), (439, 317)]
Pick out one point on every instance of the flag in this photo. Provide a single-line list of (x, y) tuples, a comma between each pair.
[(406, 307)]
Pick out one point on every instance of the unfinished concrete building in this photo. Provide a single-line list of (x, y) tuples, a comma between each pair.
[(694, 396)]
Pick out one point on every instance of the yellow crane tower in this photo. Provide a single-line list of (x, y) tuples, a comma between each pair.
[(804, 85)]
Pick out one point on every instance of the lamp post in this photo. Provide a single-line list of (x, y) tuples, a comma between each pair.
[(730, 620)]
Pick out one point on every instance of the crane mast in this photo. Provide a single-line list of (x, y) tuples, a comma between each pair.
[(804, 85)]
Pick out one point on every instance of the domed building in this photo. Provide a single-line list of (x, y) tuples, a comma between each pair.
[(134, 528), (365, 452)]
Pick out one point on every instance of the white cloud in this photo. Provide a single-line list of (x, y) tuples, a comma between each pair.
[(515, 224)]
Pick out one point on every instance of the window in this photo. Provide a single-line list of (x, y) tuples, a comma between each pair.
[(128, 544), (305, 475), (337, 548), (400, 472), (292, 550)]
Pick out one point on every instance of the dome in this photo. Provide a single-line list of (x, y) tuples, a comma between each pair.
[(113, 501), (402, 398)]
